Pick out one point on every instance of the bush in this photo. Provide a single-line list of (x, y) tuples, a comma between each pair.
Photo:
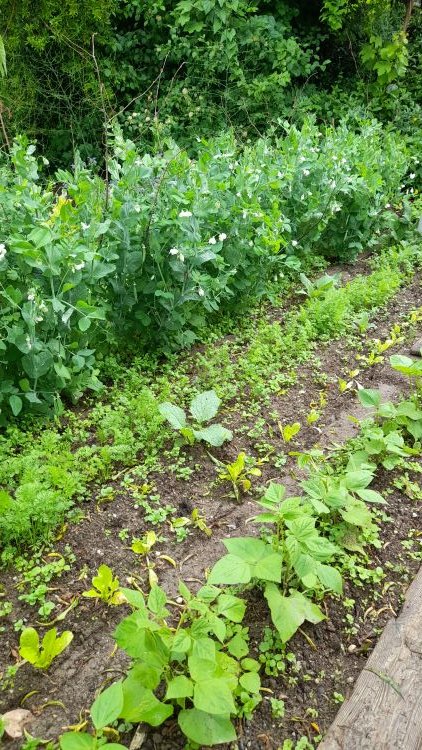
[(169, 242)]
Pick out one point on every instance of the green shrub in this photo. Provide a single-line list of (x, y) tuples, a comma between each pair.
[(174, 241)]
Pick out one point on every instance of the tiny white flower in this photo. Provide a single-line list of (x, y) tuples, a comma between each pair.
[(31, 296), (84, 226), (137, 208), (138, 162), (185, 214), (388, 205), (332, 184), (222, 237), (201, 292), (238, 195), (306, 172), (412, 176), (173, 251), (302, 158), (280, 175), (79, 266), (2, 251), (39, 318), (295, 243), (212, 241), (244, 214), (181, 257), (250, 243)]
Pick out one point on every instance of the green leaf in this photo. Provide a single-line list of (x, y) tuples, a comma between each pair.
[(179, 687), (40, 236), (230, 569), (329, 577), (369, 397), (205, 406), (140, 704), (371, 496), (77, 741), (238, 646), (157, 601), (231, 607), (357, 480), (107, 707), (213, 696), (214, 435), (174, 415), (275, 493), (357, 514), (206, 729), (15, 405), (289, 612), (289, 431), (134, 598), (250, 681), (29, 645)]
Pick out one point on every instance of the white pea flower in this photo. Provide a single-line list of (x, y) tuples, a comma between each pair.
[(306, 172), (201, 291), (222, 237), (185, 214), (80, 266), (173, 251), (412, 176), (295, 243), (250, 243), (388, 205), (39, 318), (84, 226), (31, 296), (238, 195), (181, 257), (28, 342), (332, 184), (212, 241), (244, 214), (2, 251)]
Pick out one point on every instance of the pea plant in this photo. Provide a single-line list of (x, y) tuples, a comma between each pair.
[(200, 667), (203, 409)]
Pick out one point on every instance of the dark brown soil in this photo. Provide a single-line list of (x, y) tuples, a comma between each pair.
[(334, 652)]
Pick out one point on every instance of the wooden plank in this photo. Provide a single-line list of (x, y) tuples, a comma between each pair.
[(384, 711)]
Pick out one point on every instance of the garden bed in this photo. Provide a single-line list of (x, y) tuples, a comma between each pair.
[(327, 658)]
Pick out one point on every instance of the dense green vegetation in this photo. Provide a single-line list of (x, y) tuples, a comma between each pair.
[(176, 177)]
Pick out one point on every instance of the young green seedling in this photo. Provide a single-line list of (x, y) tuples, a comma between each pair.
[(41, 655), (105, 586), (203, 409)]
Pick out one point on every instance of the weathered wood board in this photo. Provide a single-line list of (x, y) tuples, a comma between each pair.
[(384, 711)]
